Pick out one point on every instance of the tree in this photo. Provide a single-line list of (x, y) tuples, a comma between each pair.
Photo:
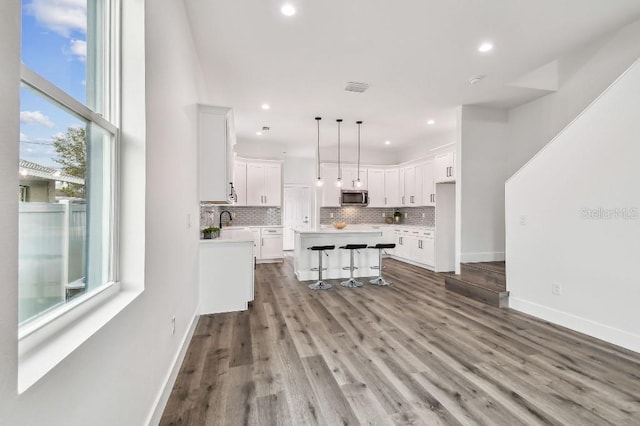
[(72, 156)]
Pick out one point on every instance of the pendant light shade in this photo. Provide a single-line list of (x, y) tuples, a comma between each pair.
[(358, 181), (319, 182), (339, 180)]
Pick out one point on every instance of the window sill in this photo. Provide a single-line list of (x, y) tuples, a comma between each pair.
[(47, 341)]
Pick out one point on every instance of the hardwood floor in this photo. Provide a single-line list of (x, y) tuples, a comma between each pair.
[(411, 353)]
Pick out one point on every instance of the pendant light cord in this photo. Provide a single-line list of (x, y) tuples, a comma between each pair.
[(358, 123), (318, 153), (339, 120)]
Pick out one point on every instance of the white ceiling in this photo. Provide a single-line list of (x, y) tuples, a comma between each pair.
[(417, 56)]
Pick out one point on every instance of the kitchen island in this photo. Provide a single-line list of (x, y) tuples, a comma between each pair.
[(337, 259)]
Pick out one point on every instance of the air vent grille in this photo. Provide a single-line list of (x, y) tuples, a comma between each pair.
[(265, 128), (356, 87)]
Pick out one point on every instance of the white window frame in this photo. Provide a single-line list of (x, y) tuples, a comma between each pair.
[(48, 338)]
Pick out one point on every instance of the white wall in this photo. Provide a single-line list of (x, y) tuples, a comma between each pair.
[(115, 377), (482, 162), (583, 76), (592, 164)]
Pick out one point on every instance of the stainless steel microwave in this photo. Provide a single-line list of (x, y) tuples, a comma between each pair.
[(354, 198)]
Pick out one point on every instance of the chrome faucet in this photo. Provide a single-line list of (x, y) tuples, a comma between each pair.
[(223, 212)]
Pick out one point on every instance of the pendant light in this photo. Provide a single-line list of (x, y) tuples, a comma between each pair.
[(358, 181), (319, 182), (339, 180)]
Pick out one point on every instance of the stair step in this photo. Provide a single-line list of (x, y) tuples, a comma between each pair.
[(484, 273), (483, 292)]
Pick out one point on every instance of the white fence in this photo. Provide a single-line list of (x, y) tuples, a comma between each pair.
[(52, 247)]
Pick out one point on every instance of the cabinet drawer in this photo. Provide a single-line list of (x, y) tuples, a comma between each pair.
[(271, 231)]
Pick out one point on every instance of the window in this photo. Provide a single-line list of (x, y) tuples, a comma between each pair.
[(68, 153)]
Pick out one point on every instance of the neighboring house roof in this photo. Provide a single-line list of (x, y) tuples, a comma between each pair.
[(27, 168)]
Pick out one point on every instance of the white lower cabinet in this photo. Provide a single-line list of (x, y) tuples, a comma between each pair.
[(415, 245), (271, 244)]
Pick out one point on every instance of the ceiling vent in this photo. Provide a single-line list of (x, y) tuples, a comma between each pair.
[(265, 128), (356, 87)]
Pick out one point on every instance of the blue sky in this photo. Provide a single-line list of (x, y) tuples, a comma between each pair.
[(54, 46)]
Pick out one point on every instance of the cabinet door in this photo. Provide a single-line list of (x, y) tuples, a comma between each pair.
[(271, 247), (376, 188), (428, 185), (330, 192), (419, 178), (214, 154), (444, 168), (273, 185), (256, 243), (240, 182), (255, 184), (391, 187), (402, 193), (409, 186), (428, 251)]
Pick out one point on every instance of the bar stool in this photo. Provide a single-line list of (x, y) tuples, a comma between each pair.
[(381, 247), (351, 282), (320, 285)]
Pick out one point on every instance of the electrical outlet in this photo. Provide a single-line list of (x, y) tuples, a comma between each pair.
[(423, 215), (383, 215), (173, 325), (524, 220), (331, 215), (556, 289), (406, 215)]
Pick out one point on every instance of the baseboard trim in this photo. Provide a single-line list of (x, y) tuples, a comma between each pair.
[(582, 325), (489, 256), (163, 396)]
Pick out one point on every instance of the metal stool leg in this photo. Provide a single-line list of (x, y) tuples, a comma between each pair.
[(351, 282), (320, 285), (380, 280)]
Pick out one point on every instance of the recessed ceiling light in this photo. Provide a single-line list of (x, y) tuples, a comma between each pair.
[(485, 47), (475, 79), (431, 122), (266, 106), (259, 133), (288, 10), (387, 142)]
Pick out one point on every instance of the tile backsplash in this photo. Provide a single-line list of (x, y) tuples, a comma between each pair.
[(242, 216), (357, 215)]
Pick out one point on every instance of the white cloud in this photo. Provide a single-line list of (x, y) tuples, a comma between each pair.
[(24, 138), (78, 48), (60, 16), (35, 117)]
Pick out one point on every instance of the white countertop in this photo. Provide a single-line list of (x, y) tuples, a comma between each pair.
[(362, 228)]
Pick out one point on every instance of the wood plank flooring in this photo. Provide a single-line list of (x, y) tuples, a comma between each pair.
[(409, 354)]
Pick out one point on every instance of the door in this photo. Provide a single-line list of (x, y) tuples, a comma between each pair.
[(296, 212)]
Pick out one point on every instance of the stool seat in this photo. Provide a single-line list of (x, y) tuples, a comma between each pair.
[(321, 248), (354, 246), (382, 246)]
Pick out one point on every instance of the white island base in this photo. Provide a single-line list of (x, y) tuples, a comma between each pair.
[(338, 258)]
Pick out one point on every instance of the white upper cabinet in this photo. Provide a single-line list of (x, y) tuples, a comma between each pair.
[(264, 184), (330, 192), (215, 154), (428, 185), (375, 179), (411, 191), (240, 182), (445, 167), (350, 176), (402, 198), (392, 187)]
